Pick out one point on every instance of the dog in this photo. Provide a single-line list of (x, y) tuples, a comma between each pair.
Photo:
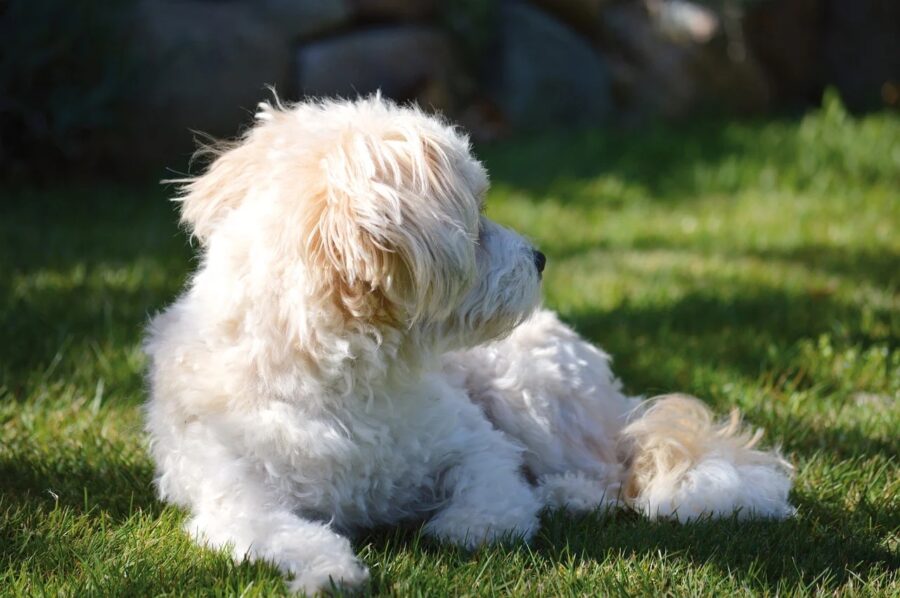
[(361, 346)]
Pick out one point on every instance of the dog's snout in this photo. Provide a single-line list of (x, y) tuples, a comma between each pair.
[(540, 260)]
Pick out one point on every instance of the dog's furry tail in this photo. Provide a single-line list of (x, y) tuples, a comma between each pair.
[(684, 464)]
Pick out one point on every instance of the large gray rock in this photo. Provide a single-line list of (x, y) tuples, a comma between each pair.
[(548, 74), (665, 68), (204, 67), (652, 73), (305, 18), (683, 20), (405, 62)]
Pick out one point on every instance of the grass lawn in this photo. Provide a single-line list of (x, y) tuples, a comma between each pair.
[(752, 264)]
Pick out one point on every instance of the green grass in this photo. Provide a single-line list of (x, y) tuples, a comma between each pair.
[(755, 264)]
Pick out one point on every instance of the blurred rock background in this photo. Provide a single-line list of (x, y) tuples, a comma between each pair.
[(116, 87)]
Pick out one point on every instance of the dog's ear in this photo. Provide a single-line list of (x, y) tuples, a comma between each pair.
[(389, 229), (365, 276), (208, 198)]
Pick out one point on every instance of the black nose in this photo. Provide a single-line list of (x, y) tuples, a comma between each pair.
[(540, 260)]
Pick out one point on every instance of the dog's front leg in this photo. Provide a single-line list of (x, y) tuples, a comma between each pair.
[(489, 500), (310, 554), (233, 508)]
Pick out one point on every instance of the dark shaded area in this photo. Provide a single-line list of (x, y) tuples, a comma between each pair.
[(83, 482), (67, 78), (825, 546), (808, 438), (821, 545), (558, 163), (861, 58), (114, 87), (672, 163), (91, 298)]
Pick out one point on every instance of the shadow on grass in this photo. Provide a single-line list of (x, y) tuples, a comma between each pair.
[(78, 333), (879, 268), (83, 270), (818, 547), (660, 161), (90, 557), (691, 344), (806, 438), (800, 552), (708, 330), (78, 481), (680, 162)]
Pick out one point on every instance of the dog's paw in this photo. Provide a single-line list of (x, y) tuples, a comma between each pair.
[(470, 528), (324, 573)]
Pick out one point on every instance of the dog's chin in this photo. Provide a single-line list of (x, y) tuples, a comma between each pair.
[(480, 326)]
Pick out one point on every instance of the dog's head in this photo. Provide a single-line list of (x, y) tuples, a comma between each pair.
[(373, 213)]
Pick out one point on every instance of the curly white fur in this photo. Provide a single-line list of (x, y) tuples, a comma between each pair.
[(360, 346)]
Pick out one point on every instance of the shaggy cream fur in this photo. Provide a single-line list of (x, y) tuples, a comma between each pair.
[(361, 346)]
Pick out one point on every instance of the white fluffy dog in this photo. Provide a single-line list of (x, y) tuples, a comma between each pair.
[(361, 346)]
